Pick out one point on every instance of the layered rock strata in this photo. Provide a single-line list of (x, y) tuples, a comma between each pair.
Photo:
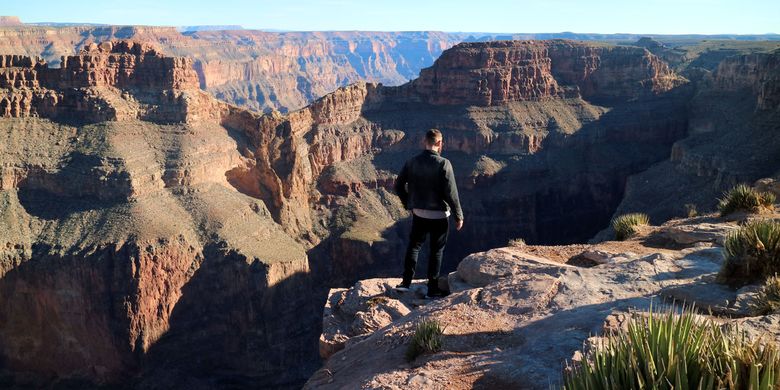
[(259, 70), (732, 139), (127, 255)]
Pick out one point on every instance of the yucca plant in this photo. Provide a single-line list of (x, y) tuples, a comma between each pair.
[(671, 351), (625, 225), (767, 301), (744, 198), (517, 242), (752, 252), (427, 338), (691, 211)]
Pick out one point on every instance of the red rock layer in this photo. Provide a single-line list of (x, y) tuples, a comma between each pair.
[(256, 69), (758, 73), (28, 87), (494, 73)]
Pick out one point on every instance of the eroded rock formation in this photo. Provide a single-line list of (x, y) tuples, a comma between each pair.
[(127, 254), (339, 154), (256, 69), (191, 227), (733, 138)]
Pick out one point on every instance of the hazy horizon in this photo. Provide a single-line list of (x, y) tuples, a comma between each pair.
[(662, 17)]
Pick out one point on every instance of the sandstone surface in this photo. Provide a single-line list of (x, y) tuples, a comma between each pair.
[(520, 317)]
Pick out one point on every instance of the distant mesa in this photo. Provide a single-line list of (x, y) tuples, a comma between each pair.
[(10, 21), (185, 29), (649, 43)]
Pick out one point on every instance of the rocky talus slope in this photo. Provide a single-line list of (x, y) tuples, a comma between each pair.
[(127, 256), (517, 315)]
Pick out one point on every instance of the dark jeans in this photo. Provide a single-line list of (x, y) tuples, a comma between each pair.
[(421, 228)]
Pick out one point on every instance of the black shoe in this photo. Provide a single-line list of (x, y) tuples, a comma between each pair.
[(434, 293), (403, 287)]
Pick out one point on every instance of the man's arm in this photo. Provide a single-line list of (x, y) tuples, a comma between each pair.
[(400, 185), (451, 194)]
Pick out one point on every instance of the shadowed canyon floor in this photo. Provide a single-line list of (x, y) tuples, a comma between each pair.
[(156, 236)]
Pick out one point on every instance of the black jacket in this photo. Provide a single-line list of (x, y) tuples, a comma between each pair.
[(427, 182)]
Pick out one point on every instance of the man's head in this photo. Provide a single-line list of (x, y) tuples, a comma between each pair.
[(433, 140)]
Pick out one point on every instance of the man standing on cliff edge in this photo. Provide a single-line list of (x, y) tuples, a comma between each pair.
[(426, 185)]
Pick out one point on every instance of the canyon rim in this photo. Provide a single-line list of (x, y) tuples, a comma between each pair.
[(212, 207)]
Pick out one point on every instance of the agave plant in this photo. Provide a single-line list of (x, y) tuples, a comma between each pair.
[(677, 351), (752, 252), (767, 301), (745, 198), (427, 338), (625, 224)]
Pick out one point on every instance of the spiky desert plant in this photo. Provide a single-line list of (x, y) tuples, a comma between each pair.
[(767, 300), (752, 252), (625, 224), (744, 198), (427, 338), (518, 242), (671, 351), (691, 211)]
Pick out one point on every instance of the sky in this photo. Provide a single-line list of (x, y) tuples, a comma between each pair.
[(497, 16)]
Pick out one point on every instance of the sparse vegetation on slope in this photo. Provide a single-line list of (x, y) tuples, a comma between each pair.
[(745, 198), (517, 242), (691, 211), (426, 339), (625, 225), (670, 351), (752, 252), (767, 300)]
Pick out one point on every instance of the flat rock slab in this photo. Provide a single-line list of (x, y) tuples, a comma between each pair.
[(515, 318)]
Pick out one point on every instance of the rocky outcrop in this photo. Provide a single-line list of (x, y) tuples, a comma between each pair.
[(732, 139), (758, 73), (125, 65), (132, 140), (495, 73), (256, 69), (10, 21), (324, 171), (86, 88), (520, 314), (125, 249)]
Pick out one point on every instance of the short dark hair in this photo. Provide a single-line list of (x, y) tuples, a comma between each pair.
[(433, 136)]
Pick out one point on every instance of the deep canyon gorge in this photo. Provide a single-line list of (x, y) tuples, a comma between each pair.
[(157, 236)]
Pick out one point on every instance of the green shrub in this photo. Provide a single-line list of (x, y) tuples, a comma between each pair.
[(745, 198), (426, 338), (624, 225), (671, 351), (691, 211), (518, 242), (767, 300), (752, 252)]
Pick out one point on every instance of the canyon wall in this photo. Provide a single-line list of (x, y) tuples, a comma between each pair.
[(203, 237), (732, 139), (255, 69), (127, 256), (526, 161), (531, 70)]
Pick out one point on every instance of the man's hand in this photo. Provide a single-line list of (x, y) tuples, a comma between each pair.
[(458, 225)]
